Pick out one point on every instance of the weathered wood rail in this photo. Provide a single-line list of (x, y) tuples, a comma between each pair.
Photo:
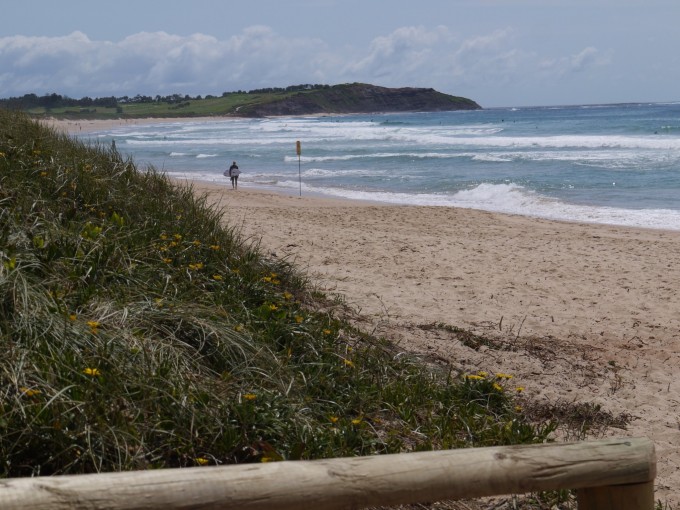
[(608, 474)]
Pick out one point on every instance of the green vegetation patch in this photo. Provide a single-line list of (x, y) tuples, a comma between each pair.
[(139, 332), (292, 100)]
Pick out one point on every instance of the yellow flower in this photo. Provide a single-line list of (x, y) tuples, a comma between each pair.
[(519, 389), (2, 154), (266, 459), (327, 331), (267, 279), (273, 308), (250, 396), (29, 392), (287, 296), (333, 419), (43, 174), (201, 461), (215, 247), (217, 277), (299, 319), (504, 376), (178, 237), (497, 387), (196, 266), (356, 421), (482, 374), (347, 362), (196, 242), (167, 260), (91, 371), (238, 328), (93, 324), (474, 377), (72, 317), (164, 237)]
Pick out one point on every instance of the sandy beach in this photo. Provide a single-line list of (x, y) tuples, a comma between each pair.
[(578, 313)]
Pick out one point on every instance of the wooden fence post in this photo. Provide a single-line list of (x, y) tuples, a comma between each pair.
[(610, 474), (638, 496)]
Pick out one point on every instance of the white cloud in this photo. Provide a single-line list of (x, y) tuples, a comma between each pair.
[(405, 47), (160, 63), (587, 59), (438, 58), (150, 63), (487, 58)]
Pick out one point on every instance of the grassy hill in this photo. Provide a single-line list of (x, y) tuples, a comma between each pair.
[(139, 331), (214, 106), (346, 98)]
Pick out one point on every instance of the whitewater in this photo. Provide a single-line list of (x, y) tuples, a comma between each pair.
[(611, 164)]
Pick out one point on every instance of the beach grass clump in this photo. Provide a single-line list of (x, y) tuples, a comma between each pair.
[(138, 331)]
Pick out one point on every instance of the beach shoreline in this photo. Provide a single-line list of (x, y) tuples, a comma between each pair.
[(577, 313), (74, 127)]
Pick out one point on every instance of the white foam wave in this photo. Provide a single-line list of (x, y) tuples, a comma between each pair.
[(575, 142), (610, 159), (290, 142), (322, 172), (377, 155), (514, 199), (202, 156), (215, 177), (429, 138)]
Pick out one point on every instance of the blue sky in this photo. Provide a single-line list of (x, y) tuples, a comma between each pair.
[(497, 52)]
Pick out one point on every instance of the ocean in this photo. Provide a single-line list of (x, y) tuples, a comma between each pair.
[(611, 164)]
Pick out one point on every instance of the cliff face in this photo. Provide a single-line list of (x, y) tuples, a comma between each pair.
[(360, 98)]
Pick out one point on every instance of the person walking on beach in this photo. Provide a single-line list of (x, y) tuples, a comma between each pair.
[(234, 172)]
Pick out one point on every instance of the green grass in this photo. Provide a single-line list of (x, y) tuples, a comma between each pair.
[(138, 331), (229, 104)]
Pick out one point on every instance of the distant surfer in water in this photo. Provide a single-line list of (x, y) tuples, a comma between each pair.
[(234, 172)]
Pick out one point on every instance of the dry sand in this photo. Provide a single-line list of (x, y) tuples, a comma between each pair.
[(581, 313)]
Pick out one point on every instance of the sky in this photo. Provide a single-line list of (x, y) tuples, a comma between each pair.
[(496, 52)]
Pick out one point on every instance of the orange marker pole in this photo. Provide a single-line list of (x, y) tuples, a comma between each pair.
[(298, 149)]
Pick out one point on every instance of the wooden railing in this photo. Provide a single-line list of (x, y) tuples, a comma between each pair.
[(608, 474)]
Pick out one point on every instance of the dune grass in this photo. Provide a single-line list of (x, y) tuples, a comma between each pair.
[(138, 331)]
